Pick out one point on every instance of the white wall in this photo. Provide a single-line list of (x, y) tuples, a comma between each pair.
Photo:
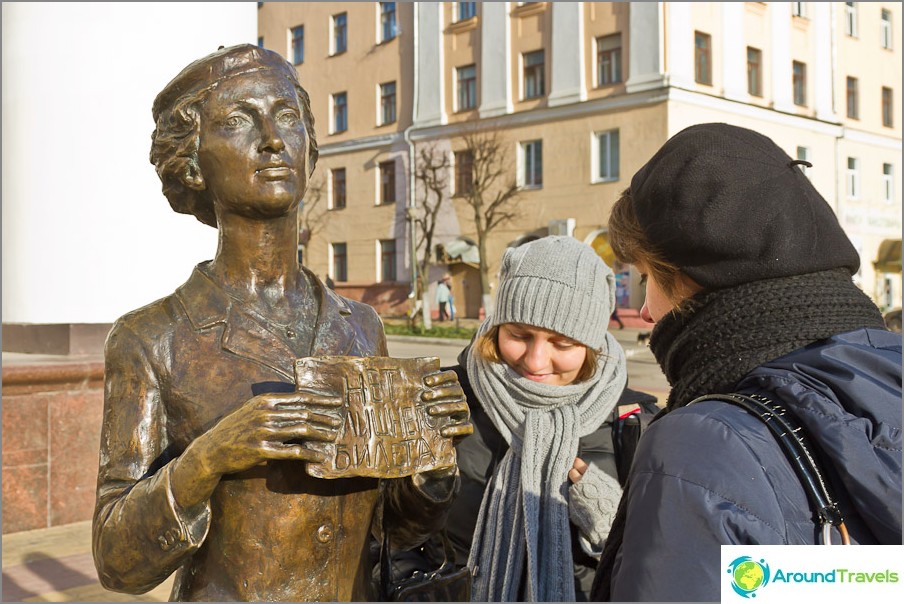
[(87, 233)]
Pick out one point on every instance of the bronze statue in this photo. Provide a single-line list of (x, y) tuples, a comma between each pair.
[(206, 436)]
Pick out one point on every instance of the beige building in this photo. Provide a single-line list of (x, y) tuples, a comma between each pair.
[(581, 94)]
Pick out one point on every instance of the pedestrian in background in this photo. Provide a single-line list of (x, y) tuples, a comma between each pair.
[(444, 296), (749, 282)]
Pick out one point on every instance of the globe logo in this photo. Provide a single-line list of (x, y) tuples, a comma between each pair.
[(748, 575)]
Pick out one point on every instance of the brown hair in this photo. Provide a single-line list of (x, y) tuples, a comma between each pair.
[(487, 346), (631, 246)]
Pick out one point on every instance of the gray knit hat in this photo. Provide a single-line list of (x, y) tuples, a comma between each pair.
[(557, 283)]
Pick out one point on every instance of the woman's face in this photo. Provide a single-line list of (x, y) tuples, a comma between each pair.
[(253, 145), (541, 355)]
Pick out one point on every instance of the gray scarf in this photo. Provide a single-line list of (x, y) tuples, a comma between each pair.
[(524, 512)]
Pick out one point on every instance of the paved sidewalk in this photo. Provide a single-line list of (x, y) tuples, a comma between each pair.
[(55, 565)]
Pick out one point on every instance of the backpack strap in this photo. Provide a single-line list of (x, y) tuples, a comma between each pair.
[(792, 439)]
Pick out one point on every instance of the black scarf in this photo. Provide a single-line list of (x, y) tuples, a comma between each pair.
[(718, 337)]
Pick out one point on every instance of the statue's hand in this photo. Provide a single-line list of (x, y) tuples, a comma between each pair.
[(271, 426), (445, 397)]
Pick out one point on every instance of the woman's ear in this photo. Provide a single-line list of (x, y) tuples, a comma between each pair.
[(192, 177)]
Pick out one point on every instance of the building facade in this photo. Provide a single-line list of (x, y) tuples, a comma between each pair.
[(580, 94)]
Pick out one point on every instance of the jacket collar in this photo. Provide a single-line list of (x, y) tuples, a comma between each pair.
[(207, 306)]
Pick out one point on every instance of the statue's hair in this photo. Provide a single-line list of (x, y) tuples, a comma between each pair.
[(174, 151)]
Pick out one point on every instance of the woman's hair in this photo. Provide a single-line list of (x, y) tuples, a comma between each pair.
[(487, 346), (174, 151), (631, 246)]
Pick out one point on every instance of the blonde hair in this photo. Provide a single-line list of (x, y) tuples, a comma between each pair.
[(487, 346)]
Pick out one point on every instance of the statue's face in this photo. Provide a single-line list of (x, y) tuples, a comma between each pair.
[(254, 146)]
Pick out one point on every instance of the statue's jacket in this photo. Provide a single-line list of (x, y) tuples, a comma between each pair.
[(173, 369)]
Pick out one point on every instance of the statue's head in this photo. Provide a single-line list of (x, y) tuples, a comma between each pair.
[(178, 111)]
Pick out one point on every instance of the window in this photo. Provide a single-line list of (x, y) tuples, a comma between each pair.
[(387, 103), (388, 29), (534, 85), (260, 41), (340, 112), (803, 153), (340, 262), (887, 107), (467, 87), (885, 28), (340, 33), (853, 178), (852, 111), (888, 183), (387, 182), (608, 60), (387, 260), (799, 9), (703, 69), (532, 162), (337, 181), (754, 71), (298, 44), (850, 18), (799, 81), (607, 156), (464, 167), (466, 10)]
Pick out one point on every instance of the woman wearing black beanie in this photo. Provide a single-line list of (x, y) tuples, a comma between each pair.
[(748, 277)]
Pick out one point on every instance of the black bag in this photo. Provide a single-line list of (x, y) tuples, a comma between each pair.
[(628, 423), (447, 583)]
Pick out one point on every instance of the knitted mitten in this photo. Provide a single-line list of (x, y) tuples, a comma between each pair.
[(593, 501)]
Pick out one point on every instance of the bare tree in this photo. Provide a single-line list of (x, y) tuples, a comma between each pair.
[(492, 190), (313, 216), (432, 172)]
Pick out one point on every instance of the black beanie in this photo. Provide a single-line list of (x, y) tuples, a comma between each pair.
[(728, 206)]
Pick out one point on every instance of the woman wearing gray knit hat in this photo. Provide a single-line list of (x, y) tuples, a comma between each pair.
[(748, 277), (542, 377)]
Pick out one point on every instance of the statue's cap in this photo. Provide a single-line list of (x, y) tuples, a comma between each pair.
[(225, 63)]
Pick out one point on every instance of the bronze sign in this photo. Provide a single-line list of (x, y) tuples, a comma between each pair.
[(386, 432)]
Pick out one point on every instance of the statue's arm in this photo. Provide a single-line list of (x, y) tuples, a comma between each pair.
[(140, 534)]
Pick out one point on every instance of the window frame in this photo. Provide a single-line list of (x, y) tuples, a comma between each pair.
[(888, 183), (755, 72), (388, 18), (339, 262), (703, 55), (803, 153), (340, 33), (850, 19), (335, 108), (885, 29), (388, 104), (386, 174), (799, 83), (888, 107), (457, 12), (852, 98), (388, 260), (534, 73), (463, 181), (297, 43), (469, 92), (613, 58), (338, 198), (531, 164), (601, 139), (852, 186)]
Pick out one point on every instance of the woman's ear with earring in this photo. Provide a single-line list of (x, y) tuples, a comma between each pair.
[(192, 178)]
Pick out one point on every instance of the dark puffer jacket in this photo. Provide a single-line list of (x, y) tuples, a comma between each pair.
[(478, 455), (710, 473)]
